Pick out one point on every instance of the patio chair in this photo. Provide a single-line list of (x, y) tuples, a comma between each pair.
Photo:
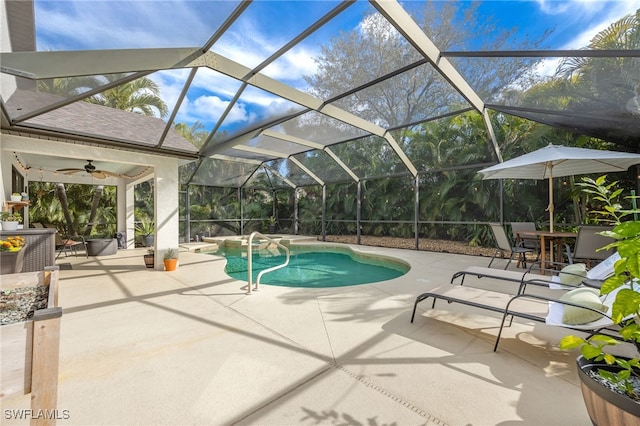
[(67, 245), (528, 242), (504, 246), (587, 243)]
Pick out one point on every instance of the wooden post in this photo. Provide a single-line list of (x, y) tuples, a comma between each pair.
[(44, 373)]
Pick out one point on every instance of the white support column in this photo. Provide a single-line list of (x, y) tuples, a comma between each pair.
[(125, 212), (5, 176), (166, 207)]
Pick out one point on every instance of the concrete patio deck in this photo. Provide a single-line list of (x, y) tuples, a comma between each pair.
[(148, 347)]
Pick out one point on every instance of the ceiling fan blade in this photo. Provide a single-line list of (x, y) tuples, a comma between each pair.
[(111, 174), (90, 168), (70, 172)]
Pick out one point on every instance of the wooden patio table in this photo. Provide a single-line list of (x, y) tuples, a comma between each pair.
[(545, 236)]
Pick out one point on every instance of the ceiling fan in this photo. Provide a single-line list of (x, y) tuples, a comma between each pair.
[(91, 169)]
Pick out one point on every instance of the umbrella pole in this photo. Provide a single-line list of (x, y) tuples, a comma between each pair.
[(550, 208)]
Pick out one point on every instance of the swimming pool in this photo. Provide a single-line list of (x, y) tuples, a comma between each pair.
[(312, 267)]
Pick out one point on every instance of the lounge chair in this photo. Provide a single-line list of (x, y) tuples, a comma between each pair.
[(499, 274), (593, 278), (553, 314), (525, 304), (505, 246)]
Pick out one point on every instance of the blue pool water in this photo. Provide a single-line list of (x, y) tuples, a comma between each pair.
[(312, 269)]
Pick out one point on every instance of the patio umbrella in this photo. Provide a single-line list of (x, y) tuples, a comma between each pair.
[(557, 161)]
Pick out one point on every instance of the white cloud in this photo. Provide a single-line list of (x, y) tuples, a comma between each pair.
[(291, 67), (596, 16), (210, 108), (68, 25), (208, 80), (547, 67)]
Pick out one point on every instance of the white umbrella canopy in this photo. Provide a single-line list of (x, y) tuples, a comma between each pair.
[(557, 161)]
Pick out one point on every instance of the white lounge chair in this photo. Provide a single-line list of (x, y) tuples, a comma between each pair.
[(594, 275), (520, 303), (528, 306)]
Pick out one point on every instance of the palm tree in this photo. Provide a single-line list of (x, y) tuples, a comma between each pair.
[(141, 96), (69, 86), (607, 85), (623, 34), (196, 133)]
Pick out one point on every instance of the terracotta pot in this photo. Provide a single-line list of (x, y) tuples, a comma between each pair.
[(605, 407), (170, 264)]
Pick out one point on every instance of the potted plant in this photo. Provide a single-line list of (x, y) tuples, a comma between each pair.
[(16, 196), (145, 231), (273, 221), (10, 220), (150, 259), (170, 259), (610, 383)]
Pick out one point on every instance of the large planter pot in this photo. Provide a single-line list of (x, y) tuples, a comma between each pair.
[(102, 246), (605, 407), (148, 240), (9, 225), (30, 348), (11, 262)]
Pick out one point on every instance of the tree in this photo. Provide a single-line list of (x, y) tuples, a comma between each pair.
[(607, 88), (375, 49), (141, 96), (69, 86), (623, 34), (74, 208), (196, 133)]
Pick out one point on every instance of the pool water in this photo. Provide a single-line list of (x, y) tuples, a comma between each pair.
[(312, 269)]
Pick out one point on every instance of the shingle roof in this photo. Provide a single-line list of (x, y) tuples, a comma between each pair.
[(86, 119)]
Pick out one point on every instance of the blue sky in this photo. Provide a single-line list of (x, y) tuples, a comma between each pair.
[(265, 27)]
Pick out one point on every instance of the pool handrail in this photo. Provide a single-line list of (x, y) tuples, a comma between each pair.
[(250, 256)]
